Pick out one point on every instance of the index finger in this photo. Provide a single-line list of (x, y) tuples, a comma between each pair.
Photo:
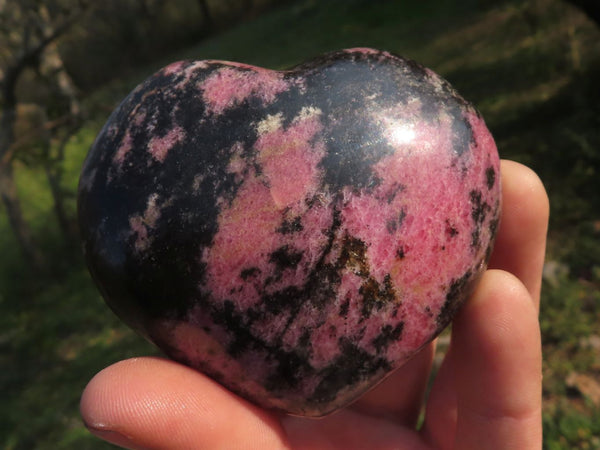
[(521, 242)]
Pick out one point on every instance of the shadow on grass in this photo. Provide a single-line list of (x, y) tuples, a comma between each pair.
[(562, 137), (57, 333)]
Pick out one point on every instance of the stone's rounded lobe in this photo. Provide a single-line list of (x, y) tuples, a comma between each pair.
[(296, 235)]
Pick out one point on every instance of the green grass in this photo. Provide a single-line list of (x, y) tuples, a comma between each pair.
[(58, 336), (531, 67)]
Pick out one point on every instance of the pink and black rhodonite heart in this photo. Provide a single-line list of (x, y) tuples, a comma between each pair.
[(296, 235)]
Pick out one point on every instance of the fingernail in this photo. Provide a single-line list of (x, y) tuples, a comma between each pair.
[(114, 437)]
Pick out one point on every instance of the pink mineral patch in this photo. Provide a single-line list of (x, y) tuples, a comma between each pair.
[(245, 239), (141, 224), (248, 236), (229, 87), (289, 160), (367, 51), (173, 68), (124, 148), (160, 146)]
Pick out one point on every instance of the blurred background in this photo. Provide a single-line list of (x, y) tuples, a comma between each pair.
[(532, 67)]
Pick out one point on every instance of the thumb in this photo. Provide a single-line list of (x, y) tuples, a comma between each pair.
[(156, 403)]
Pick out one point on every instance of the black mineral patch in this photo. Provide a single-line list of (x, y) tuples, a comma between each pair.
[(479, 211), (478, 207), (387, 335), (462, 132), (290, 370), (456, 295), (490, 177), (242, 339), (289, 298), (291, 226), (451, 230), (376, 295), (344, 308), (249, 273), (285, 258), (351, 367), (400, 252), (353, 255)]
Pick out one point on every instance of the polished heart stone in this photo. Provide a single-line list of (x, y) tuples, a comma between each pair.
[(296, 235)]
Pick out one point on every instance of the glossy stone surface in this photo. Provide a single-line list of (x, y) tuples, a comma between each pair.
[(295, 235)]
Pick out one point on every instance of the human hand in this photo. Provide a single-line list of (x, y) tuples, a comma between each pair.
[(487, 393)]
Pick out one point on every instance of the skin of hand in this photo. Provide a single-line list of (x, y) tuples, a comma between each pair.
[(487, 393)]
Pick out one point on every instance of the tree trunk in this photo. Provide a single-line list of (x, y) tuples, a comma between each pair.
[(248, 10), (53, 170), (207, 20), (12, 206), (52, 67), (8, 187), (590, 7), (59, 206)]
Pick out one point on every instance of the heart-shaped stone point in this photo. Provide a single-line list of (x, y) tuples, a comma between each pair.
[(295, 235)]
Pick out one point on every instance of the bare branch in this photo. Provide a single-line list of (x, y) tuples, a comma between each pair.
[(29, 53)]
